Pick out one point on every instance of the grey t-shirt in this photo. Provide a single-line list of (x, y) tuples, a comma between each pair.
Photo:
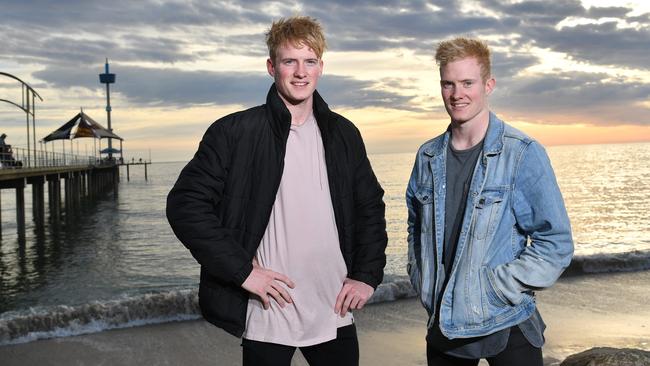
[(460, 169)]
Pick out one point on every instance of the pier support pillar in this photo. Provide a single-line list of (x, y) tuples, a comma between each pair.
[(38, 199), (76, 186), (20, 211), (54, 194), (68, 192), (19, 185)]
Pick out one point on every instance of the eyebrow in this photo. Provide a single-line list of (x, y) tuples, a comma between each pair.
[(451, 81)]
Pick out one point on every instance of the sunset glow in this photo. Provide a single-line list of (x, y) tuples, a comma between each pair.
[(574, 72)]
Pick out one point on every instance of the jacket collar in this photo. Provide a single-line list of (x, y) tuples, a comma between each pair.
[(280, 117), (492, 144)]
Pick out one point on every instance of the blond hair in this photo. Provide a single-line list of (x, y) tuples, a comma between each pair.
[(297, 31), (461, 48)]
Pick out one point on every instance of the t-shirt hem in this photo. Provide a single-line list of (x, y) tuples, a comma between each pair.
[(307, 343)]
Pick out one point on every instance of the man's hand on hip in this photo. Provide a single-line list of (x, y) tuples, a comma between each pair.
[(353, 295), (266, 284)]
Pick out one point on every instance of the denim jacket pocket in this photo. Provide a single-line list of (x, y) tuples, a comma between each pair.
[(424, 195), (414, 277), (487, 208), (491, 291)]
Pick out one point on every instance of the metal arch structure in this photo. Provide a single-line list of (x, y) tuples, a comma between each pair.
[(28, 106)]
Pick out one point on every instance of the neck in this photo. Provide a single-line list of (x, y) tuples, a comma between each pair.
[(299, 111), (467, 134)]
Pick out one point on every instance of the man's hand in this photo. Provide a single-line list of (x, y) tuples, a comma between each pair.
[(353, 295), (264, 283)]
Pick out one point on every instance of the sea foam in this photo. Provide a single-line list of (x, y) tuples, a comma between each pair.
[(177, 305), (97, 316), (636, 260)]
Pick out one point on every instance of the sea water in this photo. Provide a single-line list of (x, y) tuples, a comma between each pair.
[(115, 262)]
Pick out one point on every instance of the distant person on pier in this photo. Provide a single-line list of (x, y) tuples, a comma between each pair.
[(487, 226), (2, 139), (282, 210)]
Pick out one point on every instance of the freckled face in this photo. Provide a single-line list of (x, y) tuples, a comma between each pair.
[(296, 72), (464, 91)]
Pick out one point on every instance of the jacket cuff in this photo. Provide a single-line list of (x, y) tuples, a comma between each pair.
[(366, 278), (243, 274)]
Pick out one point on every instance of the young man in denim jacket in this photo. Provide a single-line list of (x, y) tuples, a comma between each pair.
[(487, 226)]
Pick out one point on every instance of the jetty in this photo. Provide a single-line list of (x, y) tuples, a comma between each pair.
[(79, 177)]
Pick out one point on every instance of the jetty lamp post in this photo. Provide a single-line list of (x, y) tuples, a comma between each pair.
[(108, 79), (28, 106)]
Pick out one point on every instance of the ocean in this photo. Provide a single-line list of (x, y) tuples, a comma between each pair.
[(115, 261)]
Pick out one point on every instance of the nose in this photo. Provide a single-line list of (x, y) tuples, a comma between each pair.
[(455, 93), (300, 71)]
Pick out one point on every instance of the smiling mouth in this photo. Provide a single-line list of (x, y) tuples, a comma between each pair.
[(299, 83), (459, 105)]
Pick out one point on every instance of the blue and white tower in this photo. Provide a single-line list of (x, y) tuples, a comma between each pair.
[(108, 79)]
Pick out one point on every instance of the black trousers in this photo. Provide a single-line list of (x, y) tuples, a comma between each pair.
[(342, 351), (518, 351)]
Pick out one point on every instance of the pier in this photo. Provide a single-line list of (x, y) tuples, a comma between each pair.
[(140, 162), (67, 185), (81, 176)]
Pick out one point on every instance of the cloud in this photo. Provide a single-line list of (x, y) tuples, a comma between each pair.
[(581, 96), (547, 13), (67, 41), (177, 88), (599, 44)]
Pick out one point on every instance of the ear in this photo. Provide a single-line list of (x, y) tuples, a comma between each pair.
[(320, 61), (489, 86), (270, 68)]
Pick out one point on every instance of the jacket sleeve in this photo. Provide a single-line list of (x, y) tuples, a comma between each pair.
[(539, 213), (192, 210), (370, 224), (413, 230)]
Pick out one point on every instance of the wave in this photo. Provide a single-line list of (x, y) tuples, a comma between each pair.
[(62, 321), (178, 305), (153, 308), (637, 260)]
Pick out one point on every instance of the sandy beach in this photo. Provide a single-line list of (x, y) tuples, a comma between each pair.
[(580, 312)]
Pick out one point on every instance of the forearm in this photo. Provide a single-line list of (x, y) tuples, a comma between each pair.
[(370, 238), (540, 216), (192, 211), (538, 266)]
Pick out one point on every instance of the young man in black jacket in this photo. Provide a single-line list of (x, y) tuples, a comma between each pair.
[(284, 214)]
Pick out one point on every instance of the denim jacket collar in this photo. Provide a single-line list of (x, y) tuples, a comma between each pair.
[(492, 145)]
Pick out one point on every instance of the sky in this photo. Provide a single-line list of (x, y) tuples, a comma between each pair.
[(567, 71)]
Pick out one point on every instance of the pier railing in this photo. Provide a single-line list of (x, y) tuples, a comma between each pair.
[(19, 158)]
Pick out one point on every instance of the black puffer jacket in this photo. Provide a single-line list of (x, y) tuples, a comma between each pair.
[(220, 206)]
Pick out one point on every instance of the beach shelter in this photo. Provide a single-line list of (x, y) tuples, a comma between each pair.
[(110, 150), (79, 126)]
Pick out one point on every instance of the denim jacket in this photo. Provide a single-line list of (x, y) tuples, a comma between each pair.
[(515, 236)]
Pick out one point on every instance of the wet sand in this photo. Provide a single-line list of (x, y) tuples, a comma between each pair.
[(580, 313)]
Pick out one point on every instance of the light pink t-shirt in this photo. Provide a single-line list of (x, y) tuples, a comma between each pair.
[(301, 241)]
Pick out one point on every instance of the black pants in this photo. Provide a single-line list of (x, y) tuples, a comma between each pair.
[(342, 351), (518, 351)]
